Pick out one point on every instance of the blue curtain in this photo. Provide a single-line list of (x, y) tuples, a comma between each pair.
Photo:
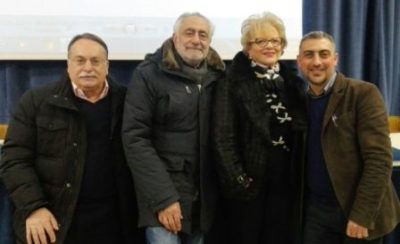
[(18, 76), (367, 33)]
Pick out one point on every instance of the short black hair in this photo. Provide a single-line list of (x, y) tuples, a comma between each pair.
[(88, 36), (318, 35)]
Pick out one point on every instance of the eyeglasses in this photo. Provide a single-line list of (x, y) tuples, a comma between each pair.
[(264, 42), (95, 62)]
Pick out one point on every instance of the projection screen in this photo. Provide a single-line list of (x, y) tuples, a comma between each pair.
[(41, 29)]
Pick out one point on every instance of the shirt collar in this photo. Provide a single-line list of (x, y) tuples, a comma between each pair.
[(79, 93)]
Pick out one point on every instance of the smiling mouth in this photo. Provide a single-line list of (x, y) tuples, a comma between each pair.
[(87, 77), (195, 49), (269, 54), (317, 73)]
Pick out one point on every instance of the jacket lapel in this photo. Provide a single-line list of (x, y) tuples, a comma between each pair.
[(334, 100)]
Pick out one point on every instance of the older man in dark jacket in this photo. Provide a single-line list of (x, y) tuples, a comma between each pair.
[(165, 134), (62, 160)]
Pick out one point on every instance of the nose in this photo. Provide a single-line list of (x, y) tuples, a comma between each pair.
[(269, 44), (88, 65), (196, 38), (316, 60)]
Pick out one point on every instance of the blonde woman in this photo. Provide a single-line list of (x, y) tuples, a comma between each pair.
[(258, 128)]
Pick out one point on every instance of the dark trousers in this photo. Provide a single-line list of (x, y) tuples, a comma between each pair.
[(96, 223), (267, 219), (327, 224)]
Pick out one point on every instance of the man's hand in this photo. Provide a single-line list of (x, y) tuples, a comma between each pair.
[(41, 226), (170, 218), (356, 231)]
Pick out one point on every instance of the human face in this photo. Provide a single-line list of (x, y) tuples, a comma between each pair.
[(192, 40), (88, 66), (317, 61), (266, 48)]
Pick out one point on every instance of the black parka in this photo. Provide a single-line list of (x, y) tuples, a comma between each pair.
[(166, 132), (43, 157), (241, 128), (242, 135)]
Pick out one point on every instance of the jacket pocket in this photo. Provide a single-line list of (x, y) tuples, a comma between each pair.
[(51, 170), (174, 163), (177, 109), (175, 166), (51, 136)]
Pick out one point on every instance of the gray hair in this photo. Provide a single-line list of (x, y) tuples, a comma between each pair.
[(88, 36), (183, 16), (257, 22), (318, 35)]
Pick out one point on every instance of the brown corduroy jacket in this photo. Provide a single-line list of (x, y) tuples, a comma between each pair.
[(357, 150)]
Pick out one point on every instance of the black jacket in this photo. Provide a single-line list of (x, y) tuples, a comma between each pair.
[(241, 128), (43, 157), (166, 132)]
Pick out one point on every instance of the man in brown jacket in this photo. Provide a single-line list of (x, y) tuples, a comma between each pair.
[(349, 195)]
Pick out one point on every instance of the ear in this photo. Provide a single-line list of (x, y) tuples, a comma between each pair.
[(336, 59), (174, 38), (107, 66), (246, 50), (298, 60), (68, 65)]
